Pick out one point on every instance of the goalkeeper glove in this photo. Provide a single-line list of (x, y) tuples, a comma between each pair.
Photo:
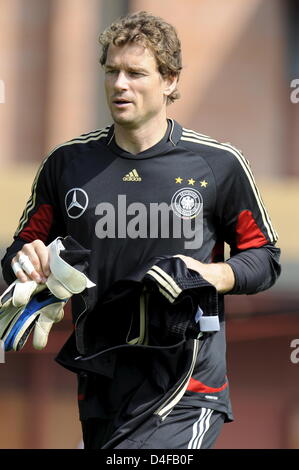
[(27, 306)]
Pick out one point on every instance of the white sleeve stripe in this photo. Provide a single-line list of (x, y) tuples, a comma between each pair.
[(95, 135), (271, 232), (265, 217), (191, 133), (259, 198)]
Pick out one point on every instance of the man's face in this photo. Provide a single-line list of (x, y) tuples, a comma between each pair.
[(135, 90)]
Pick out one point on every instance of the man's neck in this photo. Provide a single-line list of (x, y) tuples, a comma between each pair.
[(142, 138)]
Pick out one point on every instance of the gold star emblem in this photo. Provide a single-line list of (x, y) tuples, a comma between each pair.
[(191, 181), (203, 184), (178, 180)]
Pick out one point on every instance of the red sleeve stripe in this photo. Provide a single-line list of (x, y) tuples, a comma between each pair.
[(31, 201), (39, 224), (192, 136), (95, 135), (199, 387), (248, 234)]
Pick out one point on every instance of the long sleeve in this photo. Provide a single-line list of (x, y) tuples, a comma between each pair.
[(41, 218), (255, 269), (246, 226), (7, 272)]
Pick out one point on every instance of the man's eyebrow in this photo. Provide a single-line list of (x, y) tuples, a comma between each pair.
[(136, 68), (109, 66)]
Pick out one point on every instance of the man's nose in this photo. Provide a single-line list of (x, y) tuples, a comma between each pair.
[(121, 81)]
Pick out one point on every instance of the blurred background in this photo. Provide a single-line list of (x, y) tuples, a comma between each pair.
[(241, 59)]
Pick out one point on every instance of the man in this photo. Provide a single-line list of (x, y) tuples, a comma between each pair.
[(121, 192)]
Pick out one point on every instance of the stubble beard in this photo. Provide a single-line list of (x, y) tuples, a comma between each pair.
[(125, 122)]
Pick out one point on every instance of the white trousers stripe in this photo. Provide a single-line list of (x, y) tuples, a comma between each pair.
[(199, 429)]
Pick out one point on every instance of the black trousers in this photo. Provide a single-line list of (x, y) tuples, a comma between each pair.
[(183, 428)]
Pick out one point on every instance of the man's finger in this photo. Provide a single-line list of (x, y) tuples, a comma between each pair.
[(43, 256), (28, 250), (17, 269), (25, 263), (27, 271)]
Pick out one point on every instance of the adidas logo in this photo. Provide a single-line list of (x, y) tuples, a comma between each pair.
[(132, 176)]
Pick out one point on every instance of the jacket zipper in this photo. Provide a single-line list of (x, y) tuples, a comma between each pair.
[(143, 334), (76, 323), (170, 403)]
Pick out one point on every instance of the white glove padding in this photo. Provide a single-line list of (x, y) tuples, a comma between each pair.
[(25, 305), (19, 293), (64, 280), (41, 312), (70, 279)]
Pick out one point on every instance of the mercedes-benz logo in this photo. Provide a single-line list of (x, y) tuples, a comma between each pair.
[(76, 202)]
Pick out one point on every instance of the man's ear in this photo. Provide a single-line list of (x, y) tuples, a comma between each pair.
[(170, 84)]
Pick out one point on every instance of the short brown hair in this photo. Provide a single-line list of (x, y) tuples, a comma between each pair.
[(152, 32)]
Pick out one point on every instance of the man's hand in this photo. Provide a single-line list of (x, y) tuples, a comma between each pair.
[(219, 275), (32, 262), (27, 306)]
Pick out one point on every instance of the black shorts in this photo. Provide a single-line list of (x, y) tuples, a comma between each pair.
[(183, 428)]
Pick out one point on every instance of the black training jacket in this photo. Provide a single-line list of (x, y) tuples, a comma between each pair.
[(147, 351), (188, 194)]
